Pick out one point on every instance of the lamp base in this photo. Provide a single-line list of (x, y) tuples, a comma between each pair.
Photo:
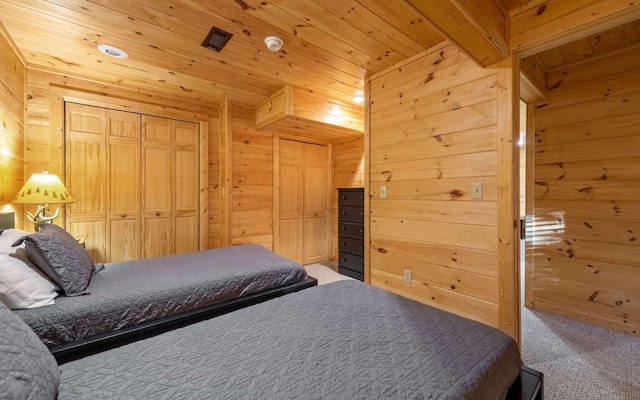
[(41, 216)]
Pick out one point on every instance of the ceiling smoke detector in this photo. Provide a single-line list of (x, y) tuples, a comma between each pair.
[(273, 43)]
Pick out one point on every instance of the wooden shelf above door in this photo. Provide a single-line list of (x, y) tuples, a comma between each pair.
[(297, 111)]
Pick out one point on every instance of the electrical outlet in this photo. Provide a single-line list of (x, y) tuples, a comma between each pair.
[(383, 192), (476, 190), (407, 276)]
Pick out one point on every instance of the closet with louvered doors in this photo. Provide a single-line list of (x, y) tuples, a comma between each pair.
[(135, 181)]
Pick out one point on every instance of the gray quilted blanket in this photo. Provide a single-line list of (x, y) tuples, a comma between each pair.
[(129, 293), (345, 340)]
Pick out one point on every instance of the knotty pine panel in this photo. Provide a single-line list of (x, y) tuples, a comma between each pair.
[(453, 166), (348, 172), (213, 185), (12, 132), (614, 169), (576, 75), (467, 283), (479, 262), (252, 184), (457, 212), (587, 174), (433, 132), (599, 129), (445, 299)]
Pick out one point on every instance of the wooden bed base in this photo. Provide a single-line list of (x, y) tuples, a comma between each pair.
[(81, 348), (528, 386)]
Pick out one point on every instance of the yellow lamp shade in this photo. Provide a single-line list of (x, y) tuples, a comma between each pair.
[(43, 188)]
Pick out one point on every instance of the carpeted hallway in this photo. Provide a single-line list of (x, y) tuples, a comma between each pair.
[(579, 361)]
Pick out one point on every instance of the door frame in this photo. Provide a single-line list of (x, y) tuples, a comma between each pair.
[(277, 136)]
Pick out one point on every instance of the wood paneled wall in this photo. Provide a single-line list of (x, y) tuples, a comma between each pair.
[(433, 133), (214, 185), (348, 171), (587, 193), (12, 133), (251, 181)]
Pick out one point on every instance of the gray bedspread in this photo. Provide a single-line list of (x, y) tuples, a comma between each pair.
[(345, 340), (129, 293)]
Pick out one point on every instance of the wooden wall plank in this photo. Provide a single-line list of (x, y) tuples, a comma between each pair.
[(348, 172), (587, 191), (251, 188), (433, 133), (12, 127)]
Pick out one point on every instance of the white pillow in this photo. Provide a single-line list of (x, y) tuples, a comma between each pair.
[(8, 238), (21, 286)]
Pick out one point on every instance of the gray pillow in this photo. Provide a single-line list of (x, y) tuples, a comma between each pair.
[(28, 370), (60, 257)]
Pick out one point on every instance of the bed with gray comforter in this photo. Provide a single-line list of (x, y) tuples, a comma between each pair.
[(130, 293), (345, 340)]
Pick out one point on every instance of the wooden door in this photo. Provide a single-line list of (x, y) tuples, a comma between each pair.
[(123, 183), (85, 175), (291, 199), (157, 181), (185, 178), (303, 201), (316, 208), (170, 185)]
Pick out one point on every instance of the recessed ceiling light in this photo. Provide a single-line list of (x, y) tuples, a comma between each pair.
[(112, 51), (358, 99)]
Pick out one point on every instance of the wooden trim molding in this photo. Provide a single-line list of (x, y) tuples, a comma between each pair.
[(508, 131)]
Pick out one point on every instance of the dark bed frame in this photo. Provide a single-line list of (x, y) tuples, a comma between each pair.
[(528, 386), (95, 344)]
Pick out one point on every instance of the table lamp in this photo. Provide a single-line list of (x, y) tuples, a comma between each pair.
[(43, 189)]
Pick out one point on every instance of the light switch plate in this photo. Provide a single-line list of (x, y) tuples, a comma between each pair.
[(476, 190), (383, 192)]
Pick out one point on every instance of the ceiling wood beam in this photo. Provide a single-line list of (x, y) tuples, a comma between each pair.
[(478, 28)]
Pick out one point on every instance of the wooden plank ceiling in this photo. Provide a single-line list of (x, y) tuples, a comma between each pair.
[(601, 44), (330, 46)]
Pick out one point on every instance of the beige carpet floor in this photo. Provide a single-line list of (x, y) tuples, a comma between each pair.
[(579, 361)]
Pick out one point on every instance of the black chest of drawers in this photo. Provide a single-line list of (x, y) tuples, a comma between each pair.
[(351, 232)]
